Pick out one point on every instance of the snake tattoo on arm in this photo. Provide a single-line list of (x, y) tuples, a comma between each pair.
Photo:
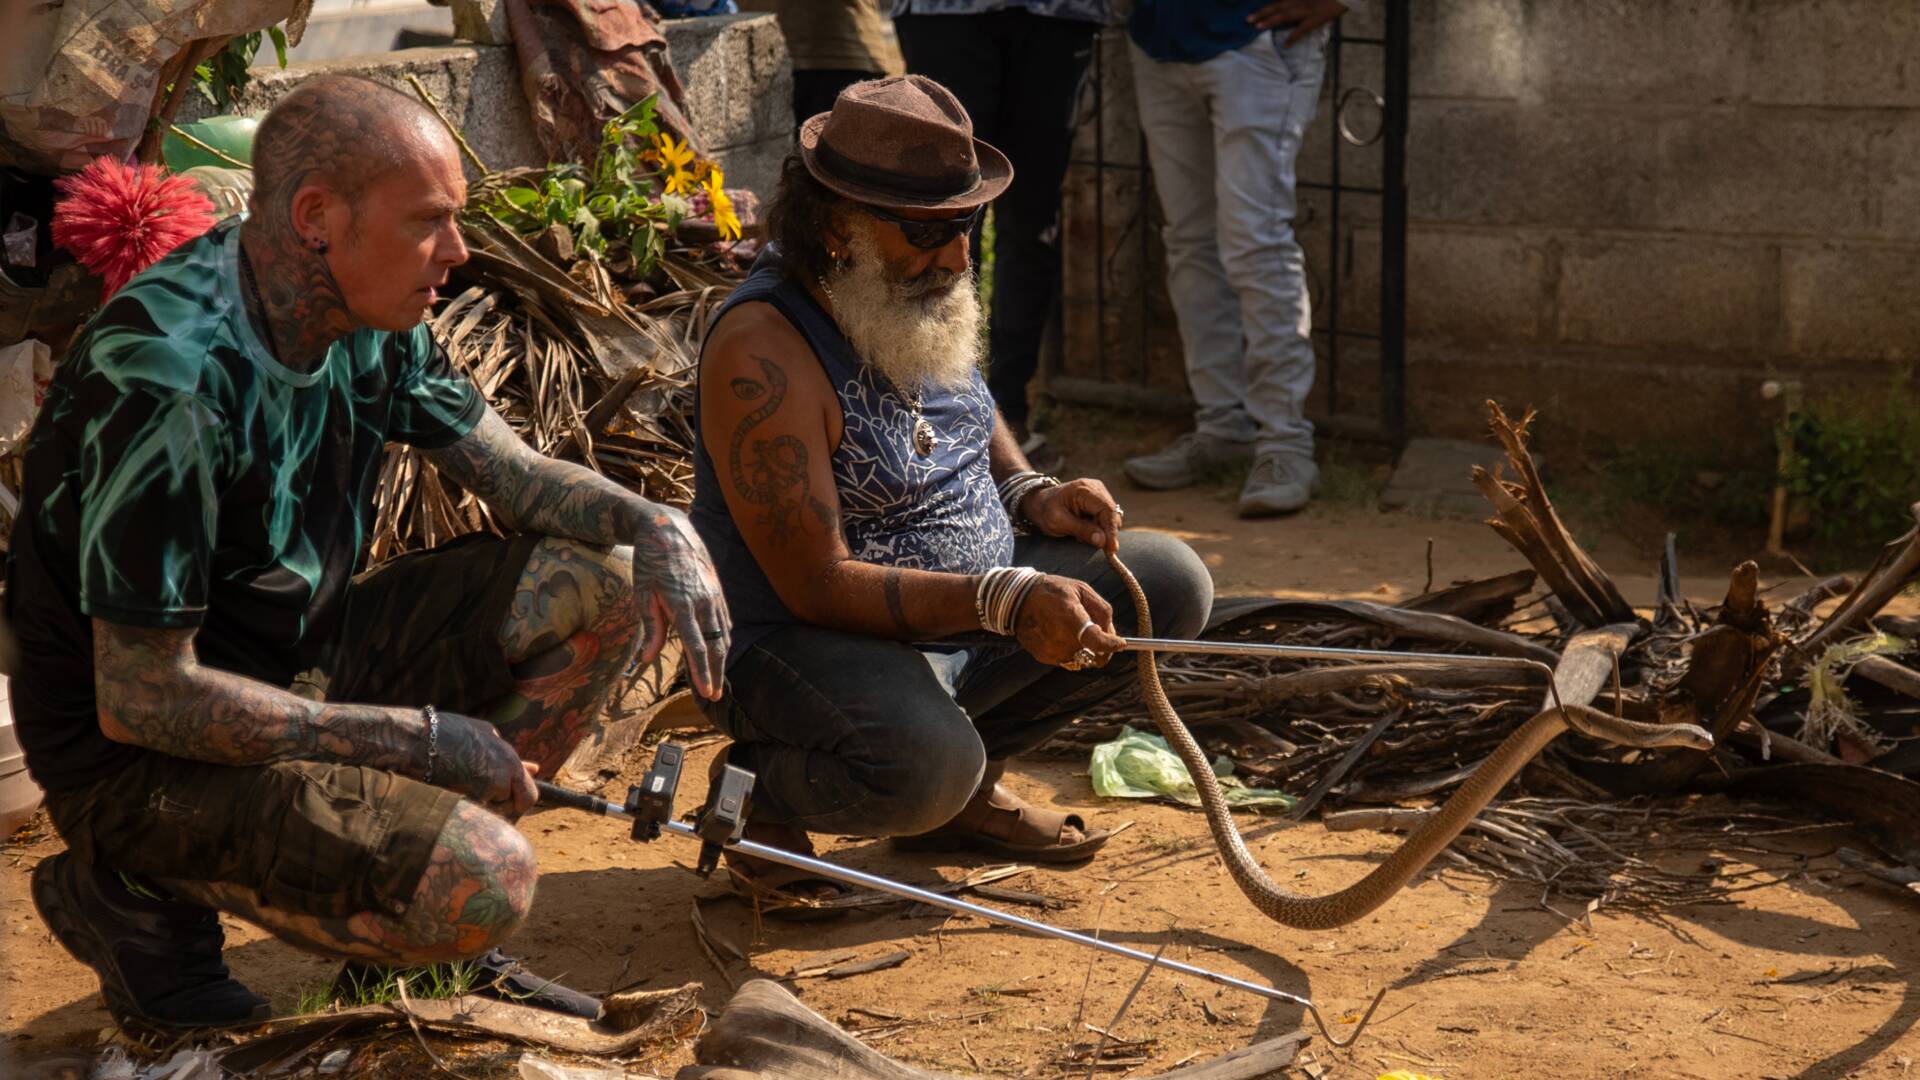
[(772, 473)]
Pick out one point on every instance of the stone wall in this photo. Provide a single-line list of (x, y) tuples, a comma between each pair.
[(738, 81), (1627, 214)]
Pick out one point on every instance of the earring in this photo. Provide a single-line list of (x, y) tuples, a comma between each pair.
[(319, 247)]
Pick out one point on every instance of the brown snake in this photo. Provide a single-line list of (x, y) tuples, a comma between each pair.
[(1428, 840)]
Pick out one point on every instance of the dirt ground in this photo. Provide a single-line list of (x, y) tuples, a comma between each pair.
[(1810, 977)]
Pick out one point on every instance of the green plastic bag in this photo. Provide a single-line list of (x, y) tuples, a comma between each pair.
[(1141, 766)]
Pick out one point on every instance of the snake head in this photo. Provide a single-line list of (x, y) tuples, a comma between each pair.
[(1595, 724), (1691, 736)]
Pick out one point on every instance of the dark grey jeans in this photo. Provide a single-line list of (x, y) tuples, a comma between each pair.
[(857, 735)]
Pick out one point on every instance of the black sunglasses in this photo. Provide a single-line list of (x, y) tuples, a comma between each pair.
[(929, 235)]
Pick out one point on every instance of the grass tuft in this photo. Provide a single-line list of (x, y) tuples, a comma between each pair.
[(434, 983)]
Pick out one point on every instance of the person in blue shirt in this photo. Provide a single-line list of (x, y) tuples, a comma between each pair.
[(1016, 66), (1225, 89)]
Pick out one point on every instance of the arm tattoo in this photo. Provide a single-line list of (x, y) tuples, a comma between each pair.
[(151, 691), (773, 474), (536, 493), (896, 605)]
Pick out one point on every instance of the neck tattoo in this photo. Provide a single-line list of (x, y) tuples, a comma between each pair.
[(922, 438), (253, 287)]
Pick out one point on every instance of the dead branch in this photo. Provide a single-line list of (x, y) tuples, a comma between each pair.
[(1528, 521), (1889, 674), (1897, 562), (1477, 601)]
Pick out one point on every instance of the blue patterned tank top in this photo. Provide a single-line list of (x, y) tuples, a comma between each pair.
[(897, 508)]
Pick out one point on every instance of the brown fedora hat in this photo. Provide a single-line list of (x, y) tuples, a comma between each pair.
[(903, 143)]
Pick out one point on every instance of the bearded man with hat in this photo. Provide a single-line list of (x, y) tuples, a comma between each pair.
[(912, 605)]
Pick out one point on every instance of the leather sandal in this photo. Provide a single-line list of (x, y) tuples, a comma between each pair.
[(995, 816), (780, 892)]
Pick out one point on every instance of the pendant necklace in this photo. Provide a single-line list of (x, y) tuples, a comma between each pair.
[(923, 437)]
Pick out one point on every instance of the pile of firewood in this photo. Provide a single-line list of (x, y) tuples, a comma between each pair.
[(1820, 711)]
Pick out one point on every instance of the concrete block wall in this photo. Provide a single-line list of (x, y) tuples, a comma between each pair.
[(739, 91), (1650, 206)]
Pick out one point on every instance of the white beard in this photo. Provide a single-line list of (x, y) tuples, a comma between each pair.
[(915, 341)]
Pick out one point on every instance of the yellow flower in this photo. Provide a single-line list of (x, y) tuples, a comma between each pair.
[(676, 159), (723, 216)]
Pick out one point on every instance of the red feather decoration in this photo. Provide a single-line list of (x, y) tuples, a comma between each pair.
[(119, 219)]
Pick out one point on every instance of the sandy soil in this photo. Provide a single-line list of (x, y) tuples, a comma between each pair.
[(1809, 977)]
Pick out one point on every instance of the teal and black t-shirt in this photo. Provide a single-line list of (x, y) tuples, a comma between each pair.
[(178, 476)]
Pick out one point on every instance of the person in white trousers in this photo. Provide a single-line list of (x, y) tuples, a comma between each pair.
[(1226, 88)]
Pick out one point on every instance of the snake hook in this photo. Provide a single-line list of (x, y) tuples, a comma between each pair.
[(1325, 1033)]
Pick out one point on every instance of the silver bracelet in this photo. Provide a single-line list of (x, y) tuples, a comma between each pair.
[(1014, 491), (433, 740), (1001, 591)]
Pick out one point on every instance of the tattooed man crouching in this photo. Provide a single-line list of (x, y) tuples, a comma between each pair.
[(860, 495), (224, 718)]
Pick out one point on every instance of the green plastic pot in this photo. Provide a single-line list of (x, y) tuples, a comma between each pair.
[(231, 135)]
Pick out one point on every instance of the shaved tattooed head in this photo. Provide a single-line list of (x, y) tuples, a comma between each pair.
[(357, 192), (342, 132)]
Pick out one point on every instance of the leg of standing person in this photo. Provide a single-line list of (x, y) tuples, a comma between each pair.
[(1264, 96), (1046, 61), (1176, 115)]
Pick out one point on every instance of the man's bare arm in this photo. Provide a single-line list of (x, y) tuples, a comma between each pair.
[(673, 579), (765, 411), (153, 692)]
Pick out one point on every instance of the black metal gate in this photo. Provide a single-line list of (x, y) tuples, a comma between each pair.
[(1115, 342)]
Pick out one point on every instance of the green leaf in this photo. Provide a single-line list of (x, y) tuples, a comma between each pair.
[(279, 36), (523, 198), (640, 116)]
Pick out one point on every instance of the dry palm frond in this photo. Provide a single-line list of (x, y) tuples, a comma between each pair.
[(575, 369)]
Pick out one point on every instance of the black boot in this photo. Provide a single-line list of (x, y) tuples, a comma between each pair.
[(494, 975), (158, 961)]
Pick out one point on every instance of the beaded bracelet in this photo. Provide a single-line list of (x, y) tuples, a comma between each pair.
[(433, 740)]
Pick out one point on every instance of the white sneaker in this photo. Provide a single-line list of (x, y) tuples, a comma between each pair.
[(1278, 484), (1182, 462)]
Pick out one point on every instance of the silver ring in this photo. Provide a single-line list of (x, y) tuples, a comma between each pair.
[(1080, 659), (1084, 627), (714, 634)]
